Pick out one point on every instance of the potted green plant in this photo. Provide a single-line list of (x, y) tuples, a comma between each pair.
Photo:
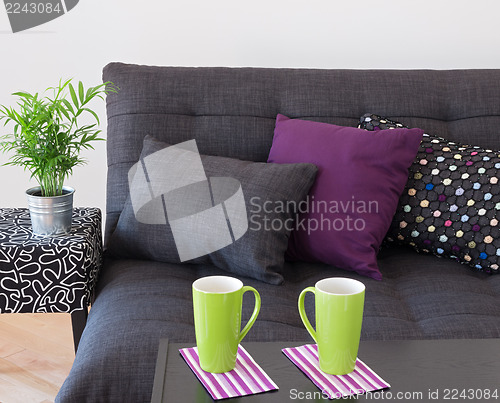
[(47, 139)]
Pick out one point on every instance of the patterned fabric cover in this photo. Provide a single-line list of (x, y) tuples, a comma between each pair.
[(372, 122), (52, 274), (451, 203)]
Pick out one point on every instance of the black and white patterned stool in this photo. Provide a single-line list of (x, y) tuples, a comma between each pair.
[(49, 274)]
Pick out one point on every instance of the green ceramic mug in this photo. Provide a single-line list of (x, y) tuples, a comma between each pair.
[(217, 302), (339, 314)]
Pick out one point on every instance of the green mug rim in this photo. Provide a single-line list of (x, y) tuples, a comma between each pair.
[(238, 282), (360, 287)]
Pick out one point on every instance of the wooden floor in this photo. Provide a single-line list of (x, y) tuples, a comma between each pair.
[(36, 354)]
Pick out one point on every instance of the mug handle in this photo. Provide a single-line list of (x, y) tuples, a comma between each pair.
[(255, 313), (302, 312)]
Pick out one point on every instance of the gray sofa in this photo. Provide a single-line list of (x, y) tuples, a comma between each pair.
[(231, 112)]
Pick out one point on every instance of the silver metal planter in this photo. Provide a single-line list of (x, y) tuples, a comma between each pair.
[(50, 216)]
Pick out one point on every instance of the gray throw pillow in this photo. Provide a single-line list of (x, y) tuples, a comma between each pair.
[(242, 213)]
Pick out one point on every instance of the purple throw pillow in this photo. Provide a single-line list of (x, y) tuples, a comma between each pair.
[(349, 209)]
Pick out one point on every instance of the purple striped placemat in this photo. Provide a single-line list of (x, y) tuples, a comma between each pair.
[(360, 381), (247, 378)]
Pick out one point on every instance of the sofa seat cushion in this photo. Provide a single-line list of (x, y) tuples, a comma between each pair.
[(139, 302)]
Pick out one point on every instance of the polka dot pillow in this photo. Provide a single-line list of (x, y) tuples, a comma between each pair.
[(451, 203)]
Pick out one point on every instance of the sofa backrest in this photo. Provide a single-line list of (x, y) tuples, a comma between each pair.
[(231, 111)]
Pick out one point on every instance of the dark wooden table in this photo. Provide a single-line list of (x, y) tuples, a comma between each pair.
[(418, 371)]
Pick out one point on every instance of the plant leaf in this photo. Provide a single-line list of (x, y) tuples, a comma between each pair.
[(81, 92), (68, 105), (93, 113), (73, 94), (23, 94)]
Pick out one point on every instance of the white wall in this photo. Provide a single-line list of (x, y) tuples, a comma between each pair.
[(437, 34)]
